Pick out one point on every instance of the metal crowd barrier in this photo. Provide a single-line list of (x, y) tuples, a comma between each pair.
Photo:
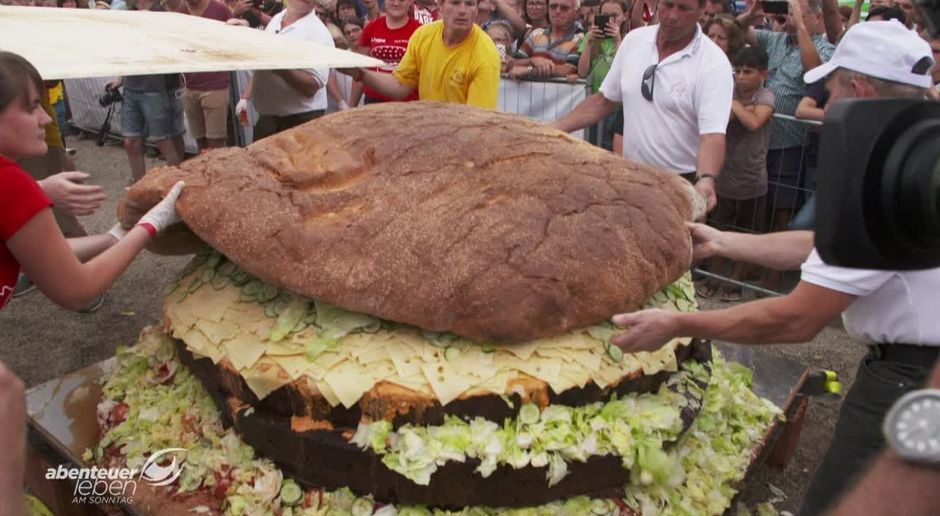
[(788, 204)]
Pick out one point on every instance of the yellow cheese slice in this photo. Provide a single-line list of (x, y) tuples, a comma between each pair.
[(219, 331), (406, 362), (243, 350), (445, 381), (265, 377), (198, 342), (327, 392), (349, 381), (210, 304)]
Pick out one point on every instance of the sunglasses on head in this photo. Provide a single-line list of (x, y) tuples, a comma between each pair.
[(649, 80)]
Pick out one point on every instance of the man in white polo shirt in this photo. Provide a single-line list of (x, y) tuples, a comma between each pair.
[(287, 98), (676, 87), (894, 313)]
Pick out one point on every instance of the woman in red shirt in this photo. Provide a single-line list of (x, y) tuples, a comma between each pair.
[(29, 237)]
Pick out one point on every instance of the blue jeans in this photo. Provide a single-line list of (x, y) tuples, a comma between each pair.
[(158, 115)]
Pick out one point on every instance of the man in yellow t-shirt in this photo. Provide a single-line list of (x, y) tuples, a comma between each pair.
[(451, 60)]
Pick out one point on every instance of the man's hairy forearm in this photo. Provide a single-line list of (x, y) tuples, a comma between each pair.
[(783, 250), (766, 321), (711, 153), (588, 112)]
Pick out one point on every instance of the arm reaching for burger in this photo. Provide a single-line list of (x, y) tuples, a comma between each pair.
[(47, 258), (588, 112), (794, 318), (384, 83), (783, 250)]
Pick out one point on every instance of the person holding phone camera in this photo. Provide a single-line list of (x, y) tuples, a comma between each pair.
[(597, 50)]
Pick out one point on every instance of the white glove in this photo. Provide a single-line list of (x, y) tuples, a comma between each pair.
[(164, 215), (117, 231), (342, 105), (241, 107)]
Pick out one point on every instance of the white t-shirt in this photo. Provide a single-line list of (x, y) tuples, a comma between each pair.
[(270, 93), (692, 94), (892, 306)]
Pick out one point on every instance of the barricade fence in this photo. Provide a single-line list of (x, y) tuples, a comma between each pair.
[(545, 101), (789, 203)]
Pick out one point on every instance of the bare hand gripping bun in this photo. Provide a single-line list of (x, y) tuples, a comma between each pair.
[(444, 216)]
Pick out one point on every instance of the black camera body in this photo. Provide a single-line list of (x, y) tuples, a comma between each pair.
[(109, 99), (776, 6), (878, 190), (601, 21), (879, 185), (110, 96)]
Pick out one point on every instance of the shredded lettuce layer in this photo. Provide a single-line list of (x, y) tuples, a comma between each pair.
[(633, 428), (698, 477)]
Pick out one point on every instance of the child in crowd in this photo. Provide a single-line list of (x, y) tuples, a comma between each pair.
[(742, 184), (501, 33)]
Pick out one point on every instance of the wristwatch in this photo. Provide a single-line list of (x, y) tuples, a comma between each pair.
[(706, 175), (912, 427)]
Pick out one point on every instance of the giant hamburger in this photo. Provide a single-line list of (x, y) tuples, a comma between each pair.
[(422, 318)]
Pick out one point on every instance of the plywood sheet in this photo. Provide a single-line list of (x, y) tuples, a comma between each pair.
[(77, 43)]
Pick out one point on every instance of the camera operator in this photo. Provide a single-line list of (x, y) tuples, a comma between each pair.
[(891, 312), (152, 106)]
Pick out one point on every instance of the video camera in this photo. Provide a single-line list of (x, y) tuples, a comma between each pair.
[(109, 99), (879, 191), (110, 96)]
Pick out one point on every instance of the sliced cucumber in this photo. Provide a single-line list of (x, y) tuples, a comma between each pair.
[(267, 292), (194, 286), (615, 353), (214, 260), (240, 278), (227, 269), (252, 288), (269, 310), (291, 493), (218, 282)]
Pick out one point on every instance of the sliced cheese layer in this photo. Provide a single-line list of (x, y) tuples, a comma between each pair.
[(274, 337)]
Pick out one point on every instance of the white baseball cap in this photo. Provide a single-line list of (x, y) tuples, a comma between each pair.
[(882, 49)]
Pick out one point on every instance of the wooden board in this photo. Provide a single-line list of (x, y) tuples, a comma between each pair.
[(77, 43)]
